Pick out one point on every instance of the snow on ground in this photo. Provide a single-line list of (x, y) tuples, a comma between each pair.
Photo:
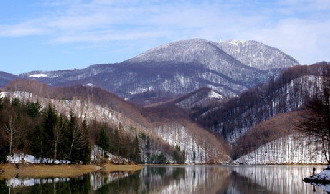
[(323, 177), (38, 75), (90, 85), (321, 180), (214, 95), (20, 158), (98, 154), (293, 149)]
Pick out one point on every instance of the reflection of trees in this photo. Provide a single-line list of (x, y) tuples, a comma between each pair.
[(3, 186), (242, 184), (191, 179), (98, 180), (274, 179), (180, 179), (188, 179), (55, 185)]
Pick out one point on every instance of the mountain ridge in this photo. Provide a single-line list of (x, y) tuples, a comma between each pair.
[(174, 69)]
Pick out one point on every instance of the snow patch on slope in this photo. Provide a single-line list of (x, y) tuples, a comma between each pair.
[(293, 149), (215, 95), (39, 75), (200, 98), (236, 42)]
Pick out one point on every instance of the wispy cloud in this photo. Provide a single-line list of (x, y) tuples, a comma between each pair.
[(22, 29), (297, 26), (94, 18)]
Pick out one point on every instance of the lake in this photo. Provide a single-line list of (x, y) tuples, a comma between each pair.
[(197, 179)]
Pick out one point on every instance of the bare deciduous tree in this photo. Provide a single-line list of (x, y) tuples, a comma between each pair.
[(317, 121), (11, 130)]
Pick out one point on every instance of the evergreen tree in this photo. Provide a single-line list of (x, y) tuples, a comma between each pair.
[(115, 142), (103, 140), (33, 109), (86, 148), (49, 124), (136, 151), (122, 141), (36, 141)]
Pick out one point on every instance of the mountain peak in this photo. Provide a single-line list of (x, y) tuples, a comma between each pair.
[(186, 51), (258, 55), (235, 42)]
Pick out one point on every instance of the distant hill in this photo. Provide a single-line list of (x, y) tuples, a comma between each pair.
[(290, 91), (5, 78), (260, 124)]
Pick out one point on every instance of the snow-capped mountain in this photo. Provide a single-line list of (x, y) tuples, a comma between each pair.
[(257, 55), (179, 68)]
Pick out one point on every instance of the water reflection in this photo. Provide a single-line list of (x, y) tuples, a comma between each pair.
[(176, 179), (279, 179), (55, 185)]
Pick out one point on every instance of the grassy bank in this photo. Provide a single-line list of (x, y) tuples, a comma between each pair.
[(43, 171), (111, 168)]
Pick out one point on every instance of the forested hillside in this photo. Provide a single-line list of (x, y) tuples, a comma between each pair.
[(29, 128), (290, 91), (262, 121), (156, 139)]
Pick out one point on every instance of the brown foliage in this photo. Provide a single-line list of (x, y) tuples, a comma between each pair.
[(280, 126)]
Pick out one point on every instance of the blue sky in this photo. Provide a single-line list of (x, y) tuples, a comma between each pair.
[(68, 34)]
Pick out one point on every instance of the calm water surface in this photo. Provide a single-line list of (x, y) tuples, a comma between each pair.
[(176, 179)]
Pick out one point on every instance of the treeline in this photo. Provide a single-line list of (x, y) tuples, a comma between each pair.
[(26, 127)]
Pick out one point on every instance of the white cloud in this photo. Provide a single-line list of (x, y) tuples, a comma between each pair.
[(299, 27), (21, 29), (308, 41)]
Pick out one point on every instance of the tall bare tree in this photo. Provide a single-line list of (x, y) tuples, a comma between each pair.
[(11, 130), (317, 122)]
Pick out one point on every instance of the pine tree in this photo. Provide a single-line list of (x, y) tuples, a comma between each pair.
[(103, 140), (49, 124), (136, 150), (86, 149), (33, 109)]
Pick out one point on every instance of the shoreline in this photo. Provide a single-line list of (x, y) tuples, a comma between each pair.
[(59, 170), (74, 170)]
